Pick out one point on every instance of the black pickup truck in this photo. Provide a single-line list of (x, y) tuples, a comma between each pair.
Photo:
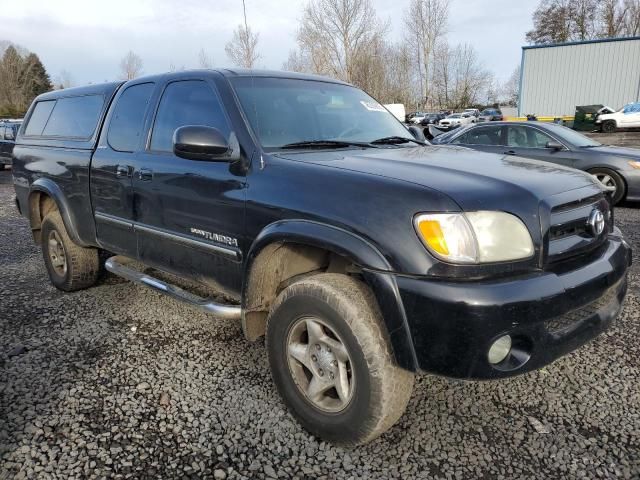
[(362, 254)]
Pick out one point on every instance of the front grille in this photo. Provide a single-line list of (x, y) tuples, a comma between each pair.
[(565, 323), (569, 233)]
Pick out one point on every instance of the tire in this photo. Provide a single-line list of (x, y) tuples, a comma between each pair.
[(70, 266), (377, 390), (609, 126), (611, 180)]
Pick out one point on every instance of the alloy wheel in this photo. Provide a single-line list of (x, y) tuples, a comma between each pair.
[(320, 365), (57, 254)]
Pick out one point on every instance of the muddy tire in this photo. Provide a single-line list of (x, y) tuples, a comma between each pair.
[(612, 181), (331, 360), (70, 266), (609, 126)]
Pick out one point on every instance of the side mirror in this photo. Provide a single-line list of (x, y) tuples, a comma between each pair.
[(553, 145), (417, 133), (197, 142)]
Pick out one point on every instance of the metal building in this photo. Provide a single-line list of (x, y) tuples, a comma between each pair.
[(554, 79)]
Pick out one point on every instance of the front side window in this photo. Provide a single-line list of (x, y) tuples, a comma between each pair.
[(526, 137), (39, 117), (74, 117), (188, 102), (127, 119), (283, 111)]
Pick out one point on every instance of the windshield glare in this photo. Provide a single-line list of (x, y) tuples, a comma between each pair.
[(282, 111)]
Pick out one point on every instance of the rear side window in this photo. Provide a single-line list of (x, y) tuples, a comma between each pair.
[(39, 117), (74, 117), (189, 102), (127, 121)]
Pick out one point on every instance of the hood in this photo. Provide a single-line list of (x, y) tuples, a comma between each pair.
[(632, 153), (474, 180)]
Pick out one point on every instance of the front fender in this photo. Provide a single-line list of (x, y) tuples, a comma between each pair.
[(376, 271), (50, 188)]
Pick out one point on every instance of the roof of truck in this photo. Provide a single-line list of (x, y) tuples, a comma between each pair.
[(97, 89), (240, 72)]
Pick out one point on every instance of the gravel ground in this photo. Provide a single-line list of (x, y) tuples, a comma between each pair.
[(117, 381)]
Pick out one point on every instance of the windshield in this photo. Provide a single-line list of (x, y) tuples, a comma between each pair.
[(488, 112), (455, 115), (571, 136), (282, 111)]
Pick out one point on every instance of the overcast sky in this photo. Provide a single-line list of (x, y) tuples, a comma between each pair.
[(87, 38)]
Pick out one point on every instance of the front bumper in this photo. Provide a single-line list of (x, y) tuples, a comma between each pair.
[(547, 315)]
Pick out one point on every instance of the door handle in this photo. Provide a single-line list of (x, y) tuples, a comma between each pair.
[(510, 152), (145, 175), (123, 171)]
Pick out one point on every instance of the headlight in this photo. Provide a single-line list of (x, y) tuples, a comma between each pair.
[(474, 237)]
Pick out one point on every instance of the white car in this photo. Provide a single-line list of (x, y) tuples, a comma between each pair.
[(610, 120), (472, 111), (418, 117), (456, 120)]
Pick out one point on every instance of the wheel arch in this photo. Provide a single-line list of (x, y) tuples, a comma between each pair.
[(288, 249), (43, 194)]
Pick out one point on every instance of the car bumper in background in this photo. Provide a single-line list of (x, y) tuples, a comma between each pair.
[(547, 315)]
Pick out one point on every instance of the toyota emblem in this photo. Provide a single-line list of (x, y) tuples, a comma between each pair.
[(596, 222)]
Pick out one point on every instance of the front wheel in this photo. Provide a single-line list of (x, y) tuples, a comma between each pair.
[(609, 126), (331, 361), (612, 181)]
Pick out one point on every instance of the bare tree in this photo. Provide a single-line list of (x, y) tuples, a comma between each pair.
[(64, 80), (631, 19), (130, 66), (511, 89), (335, 33), (425, 22), (242, 49), (204, 59)]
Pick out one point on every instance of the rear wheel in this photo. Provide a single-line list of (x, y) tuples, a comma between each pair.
[(609, 126), (70, 266), (612, 181), (331, 361)]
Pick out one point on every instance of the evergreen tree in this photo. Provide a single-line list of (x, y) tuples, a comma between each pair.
[(35, 80), (11, 69)]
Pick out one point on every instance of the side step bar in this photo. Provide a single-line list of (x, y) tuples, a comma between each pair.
[(118, 266)]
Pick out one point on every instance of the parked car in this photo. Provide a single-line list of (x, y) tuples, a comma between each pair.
[(8, 133), (456, 120), (362, 254), (627, 117), (616, 168), (472, 111), (418, 117), (432, 119), (491, 115)]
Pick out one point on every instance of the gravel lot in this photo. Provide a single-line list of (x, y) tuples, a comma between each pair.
[(117, 381)]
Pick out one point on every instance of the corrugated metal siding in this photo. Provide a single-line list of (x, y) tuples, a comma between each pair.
[(556, 79)]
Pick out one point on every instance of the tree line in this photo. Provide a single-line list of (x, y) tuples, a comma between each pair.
[(556, 21), (22, 78), (346, 39)]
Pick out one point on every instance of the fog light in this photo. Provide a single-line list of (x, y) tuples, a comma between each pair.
[(499, 349)]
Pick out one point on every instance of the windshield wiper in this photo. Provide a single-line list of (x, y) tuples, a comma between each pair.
[(591, 146), (395, 140), (325, 144)]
